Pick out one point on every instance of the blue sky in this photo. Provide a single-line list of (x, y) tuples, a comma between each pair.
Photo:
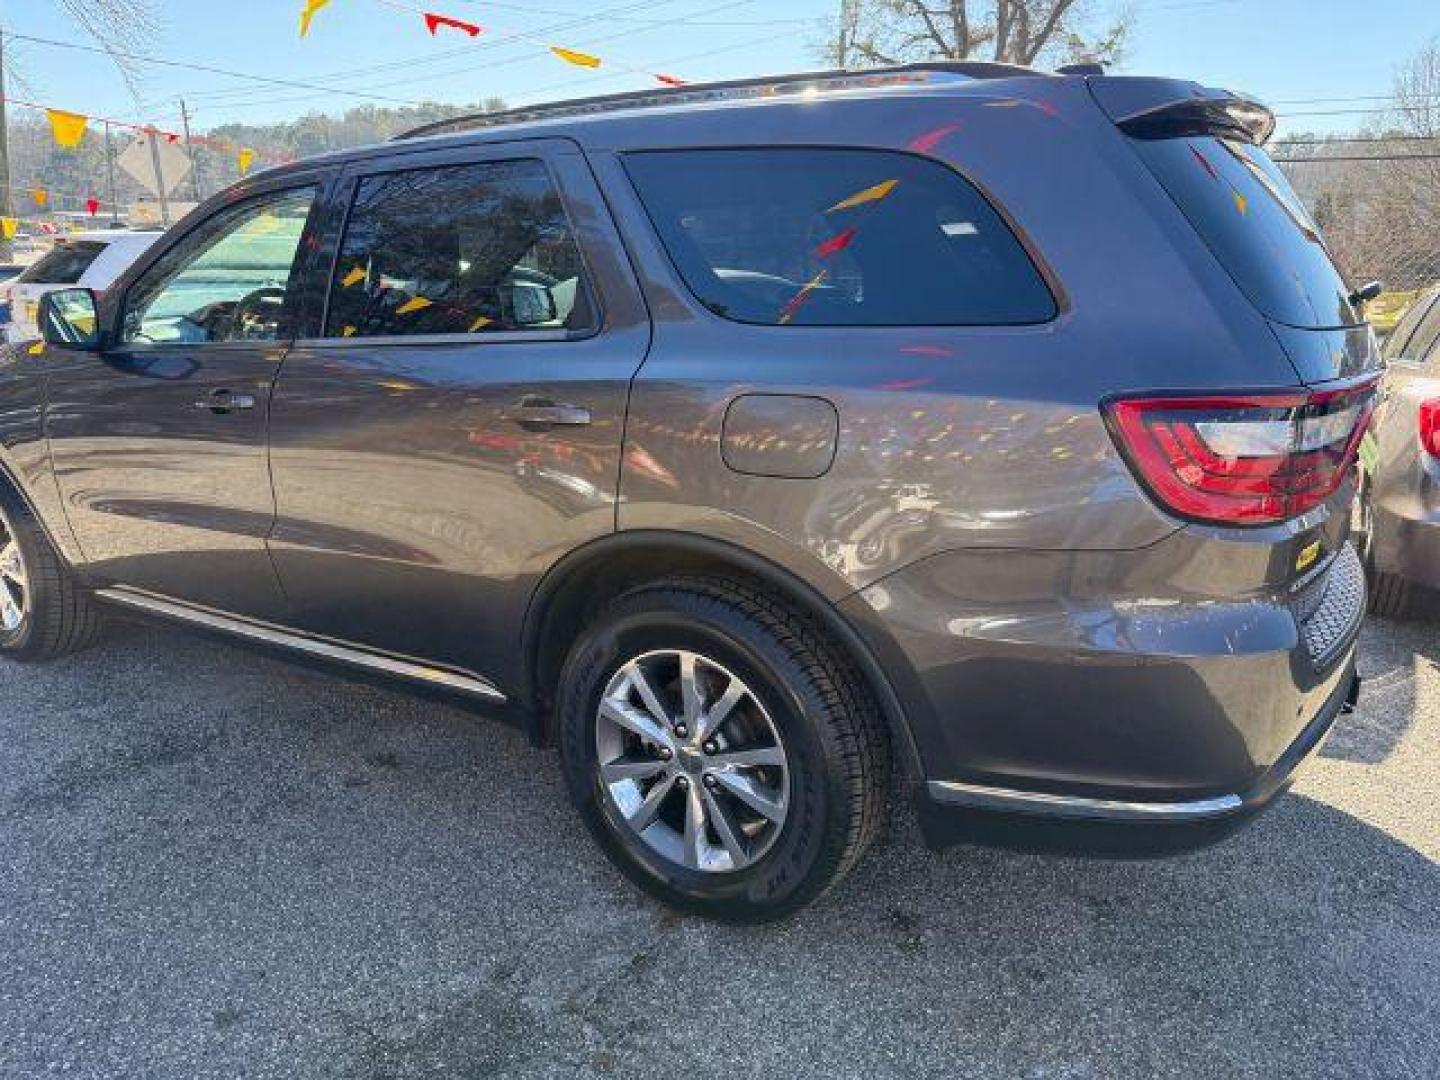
[(1285, 51)]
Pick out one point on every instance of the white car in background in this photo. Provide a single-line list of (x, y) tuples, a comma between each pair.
[(92, 259)]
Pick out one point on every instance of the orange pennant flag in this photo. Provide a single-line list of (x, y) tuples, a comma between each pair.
[(1240, 203), (41, 196), (870, 194), (579, 59), (308, 12), (668, 80), (415, 303), (433, 22), (9, 226), (67, 127), (245, 158)]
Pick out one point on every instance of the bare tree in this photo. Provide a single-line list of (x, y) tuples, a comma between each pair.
[(870, 32), (120, 27)]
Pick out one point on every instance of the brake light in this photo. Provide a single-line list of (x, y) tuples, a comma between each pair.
[(1243, 459), (1430, 427)]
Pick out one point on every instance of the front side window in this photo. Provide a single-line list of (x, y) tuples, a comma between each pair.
[(478, 249), (225, 282), (837, 238)]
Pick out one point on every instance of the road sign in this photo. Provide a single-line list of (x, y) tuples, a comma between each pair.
[(139, 160)]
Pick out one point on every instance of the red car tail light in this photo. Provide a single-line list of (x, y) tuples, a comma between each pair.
[(1430, 427), (1243, 459)]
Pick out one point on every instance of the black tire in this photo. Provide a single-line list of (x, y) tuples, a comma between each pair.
[(1390, 596), (58, 614), (833, 737)]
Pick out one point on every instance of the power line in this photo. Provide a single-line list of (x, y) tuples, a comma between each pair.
[(1355, 157)]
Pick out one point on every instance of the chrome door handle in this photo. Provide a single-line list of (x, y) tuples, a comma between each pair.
[(541, 413), (223, 401)]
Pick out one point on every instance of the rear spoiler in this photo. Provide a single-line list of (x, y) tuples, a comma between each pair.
[(1148, 108)]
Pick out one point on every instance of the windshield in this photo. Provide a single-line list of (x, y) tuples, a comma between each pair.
[(1245, 210)]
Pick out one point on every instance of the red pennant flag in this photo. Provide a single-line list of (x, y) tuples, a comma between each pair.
[(434, 22), (92, 204), (668, 80), (923, 144), (839, 242), (171, 137)]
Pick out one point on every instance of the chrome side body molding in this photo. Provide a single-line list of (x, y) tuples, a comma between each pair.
[(992, 798), (462, 682)]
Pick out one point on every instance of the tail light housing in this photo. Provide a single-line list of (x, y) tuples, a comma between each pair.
[(1243, 459), (1430, 427)]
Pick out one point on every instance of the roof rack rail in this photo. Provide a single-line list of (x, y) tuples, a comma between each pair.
[(728, 90)]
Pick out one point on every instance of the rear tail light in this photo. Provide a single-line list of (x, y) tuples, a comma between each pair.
[(1243, 459), (1430, 427)]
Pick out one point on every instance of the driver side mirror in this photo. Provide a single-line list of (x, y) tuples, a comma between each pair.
[(70, 317)]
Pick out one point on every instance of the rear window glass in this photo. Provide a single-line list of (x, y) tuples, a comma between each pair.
[(64, 264), (1245, 210), (837, 238), (1398, 346)]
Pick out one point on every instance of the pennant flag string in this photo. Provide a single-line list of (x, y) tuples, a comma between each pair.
[(574, 57)]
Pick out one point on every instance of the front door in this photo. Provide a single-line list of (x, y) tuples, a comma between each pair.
[(159, 442), (453, 425)]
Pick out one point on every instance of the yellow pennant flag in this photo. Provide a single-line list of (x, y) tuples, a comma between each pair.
[(308, 12), (36, 348), (354, 277), (415, 303), (1240, 203), (245, 158), (870, 194), (67, 127), (9, 226), (579, 59), (479, 324), (41, 196)]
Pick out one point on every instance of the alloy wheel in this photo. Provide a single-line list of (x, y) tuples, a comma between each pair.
[(691, 761), (14, 581)]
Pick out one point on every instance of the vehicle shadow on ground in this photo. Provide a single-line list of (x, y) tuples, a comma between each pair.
[(1389, 665), (261, 867)]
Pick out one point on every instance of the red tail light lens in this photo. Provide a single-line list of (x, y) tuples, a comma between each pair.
[(1430, 427), (1243, 459)]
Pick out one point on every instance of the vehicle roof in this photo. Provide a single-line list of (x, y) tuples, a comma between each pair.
[(108, 236), (585, 119)]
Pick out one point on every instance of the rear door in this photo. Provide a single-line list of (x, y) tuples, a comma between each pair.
[(159, 442), (451, 425)]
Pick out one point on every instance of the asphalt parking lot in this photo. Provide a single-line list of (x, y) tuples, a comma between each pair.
[(216, 864)]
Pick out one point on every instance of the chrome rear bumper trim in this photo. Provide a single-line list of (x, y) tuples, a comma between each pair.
[(464, 683), (1076, 806)]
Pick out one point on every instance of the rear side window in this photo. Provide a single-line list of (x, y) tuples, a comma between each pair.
[(837, 238), (1246, 212), (64, 264), (466, 249)]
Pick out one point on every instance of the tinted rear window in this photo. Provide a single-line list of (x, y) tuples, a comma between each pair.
[(1245, 210), (837, 238), (64, 263), (1398, 344)]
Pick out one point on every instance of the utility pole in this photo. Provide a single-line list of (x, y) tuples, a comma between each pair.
[(7, 203), (190, 149), (110, 169), (154, 138)]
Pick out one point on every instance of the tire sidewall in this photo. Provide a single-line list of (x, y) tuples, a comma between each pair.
[(796, 866), (16, 642)]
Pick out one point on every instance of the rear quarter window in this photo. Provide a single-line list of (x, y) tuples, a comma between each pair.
[(64, 264), (837, 238)]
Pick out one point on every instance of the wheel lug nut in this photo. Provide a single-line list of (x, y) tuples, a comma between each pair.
[(682, 782), (711, 782), (681, 730), (710, 746), (665, 753)]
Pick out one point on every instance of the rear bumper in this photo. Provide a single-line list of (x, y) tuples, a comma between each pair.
[(1114, 689), (955, 812), (1408, 546)]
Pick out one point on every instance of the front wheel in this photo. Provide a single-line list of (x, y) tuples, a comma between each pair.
[(44, 612), (725, 755)]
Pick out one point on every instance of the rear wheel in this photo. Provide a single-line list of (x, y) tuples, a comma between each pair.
[(44, 612), (1389, 594), (721, 750)]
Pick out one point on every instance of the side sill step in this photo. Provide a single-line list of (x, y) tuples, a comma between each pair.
[(463, 682)]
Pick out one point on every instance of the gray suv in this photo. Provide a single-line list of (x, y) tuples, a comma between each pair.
[(753, 443)]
